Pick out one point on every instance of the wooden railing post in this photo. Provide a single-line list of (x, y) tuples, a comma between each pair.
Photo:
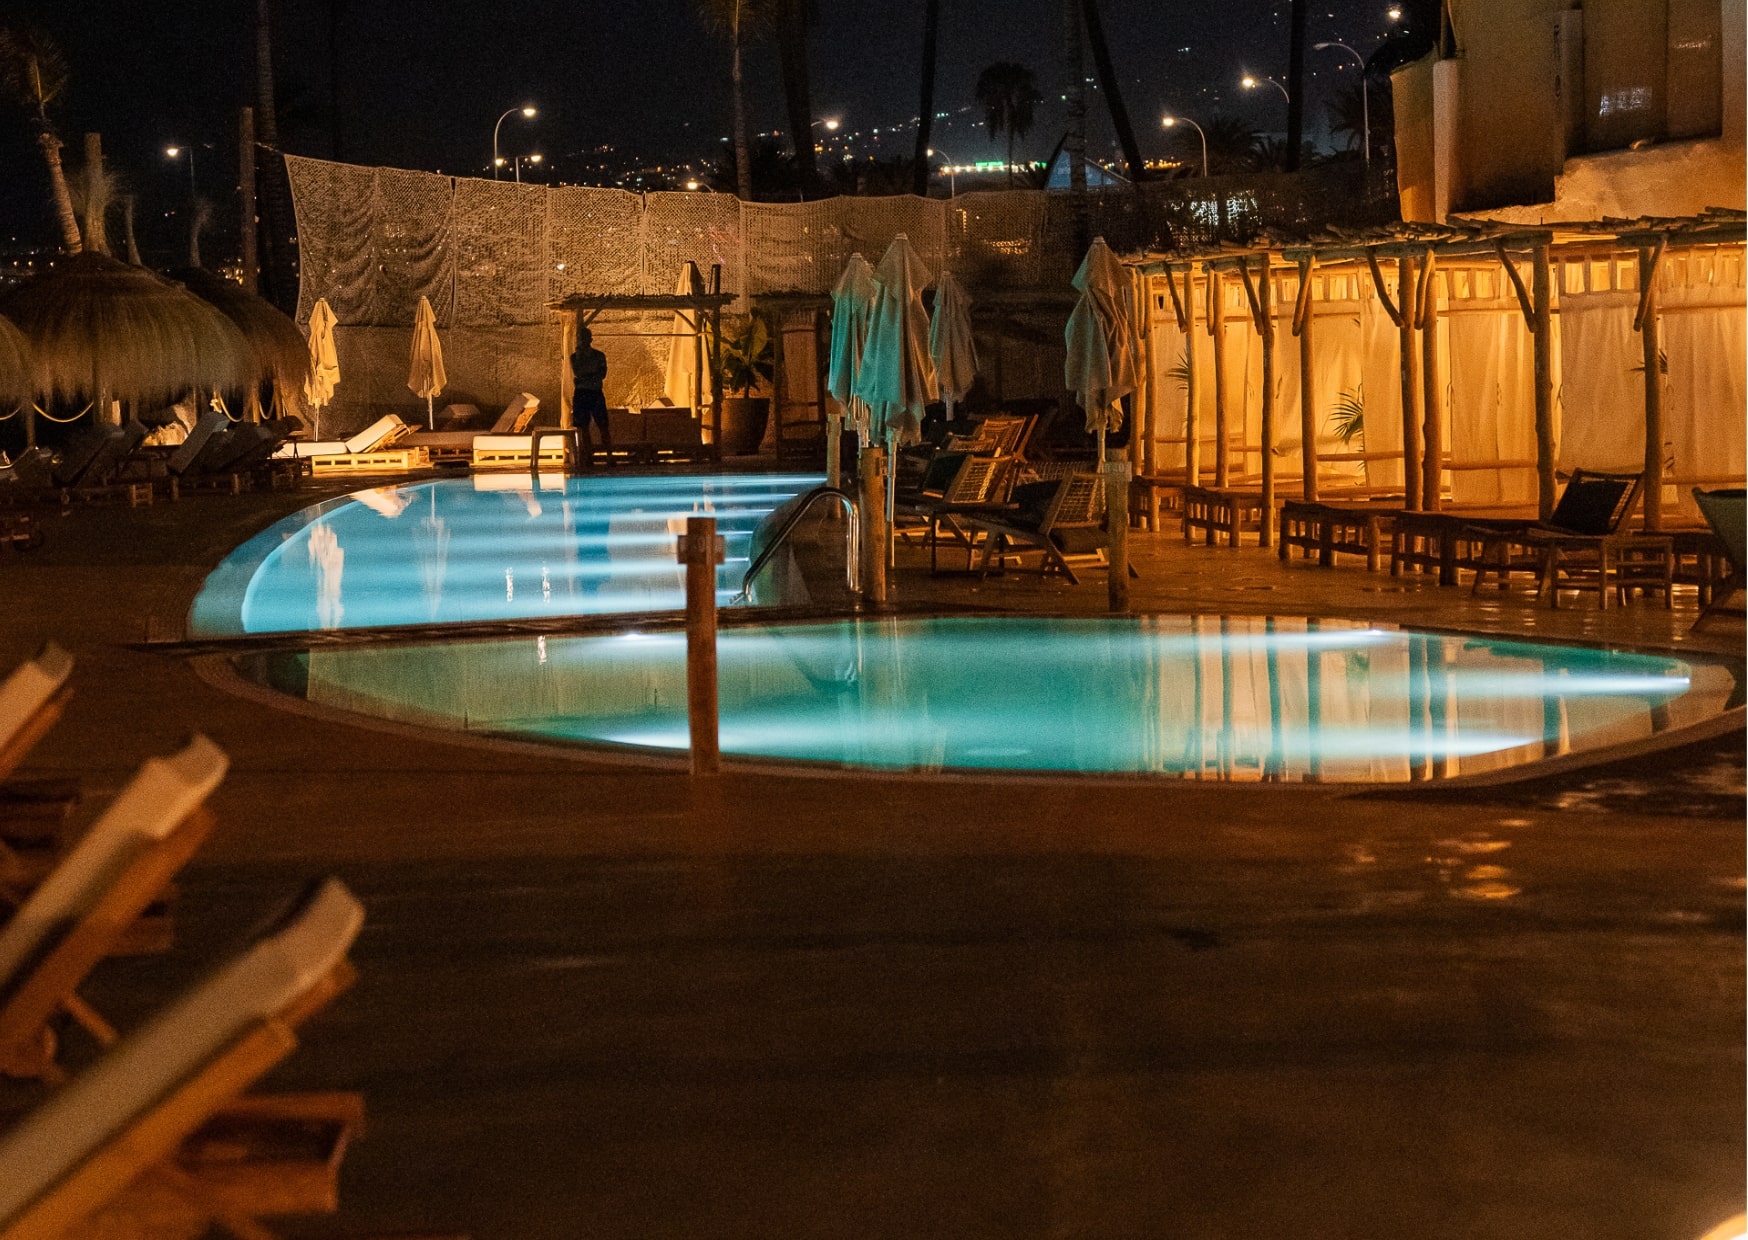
[(701, 550), (872, 468), (1116, 481)]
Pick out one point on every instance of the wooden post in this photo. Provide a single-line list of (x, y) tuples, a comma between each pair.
[(1192, 423), (701, 551), (715, 352), (872, 465), (246, 184), (1141, 428), (1542, 324), (1406, 297), (1217, 329), (1433, 450), (1650, 338), (1265, 318), (1117, 532), (567, 343), (1303, 313)]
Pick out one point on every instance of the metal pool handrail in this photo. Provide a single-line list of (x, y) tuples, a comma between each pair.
[(852, 555)]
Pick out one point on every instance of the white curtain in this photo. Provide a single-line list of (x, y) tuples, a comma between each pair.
[(1602, 391), (1491, 374), (1705, 338)]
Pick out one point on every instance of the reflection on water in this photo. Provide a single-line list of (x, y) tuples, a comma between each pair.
[(1199, 697), (492, 547)]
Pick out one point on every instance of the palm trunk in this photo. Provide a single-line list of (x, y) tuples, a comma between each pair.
[(1095, 35), (1009, 126), (1075, 141), (792, 52), (127, 230), (743, 162), (96, 196), (926, 110), (278, 217), (69, 222), (1296, 85)]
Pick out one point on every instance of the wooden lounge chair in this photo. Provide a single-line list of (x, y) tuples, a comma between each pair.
[(156, 1140), (32, 814), (91, 899), (453, 440), (32, 698), (374, 450), (1726, 511), (958, 486), (1059, 518), (1591, 508)]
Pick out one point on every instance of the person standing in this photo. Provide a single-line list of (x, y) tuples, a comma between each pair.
[(588, 403)]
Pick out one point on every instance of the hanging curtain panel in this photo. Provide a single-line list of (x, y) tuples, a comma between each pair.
[(1705, 341), (1602, 388), (1491, 389)]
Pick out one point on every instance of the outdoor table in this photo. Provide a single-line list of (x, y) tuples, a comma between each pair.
[(1215, 509), (1330, 528)]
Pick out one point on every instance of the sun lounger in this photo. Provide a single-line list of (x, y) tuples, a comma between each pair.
[(374, 450), (156, 1138), (89, 901), (671, 433), (193, 453), (1726, 511), (32, 698), (32, 815), (1060, 518), (1591, 508), (455, 434)]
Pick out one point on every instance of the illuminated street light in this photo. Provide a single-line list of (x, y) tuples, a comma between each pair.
[(498, 161), (1365, 97), (1169, 121), (530, 159), (176, 152), (952, 172), (1394, 15), (1251, 83)]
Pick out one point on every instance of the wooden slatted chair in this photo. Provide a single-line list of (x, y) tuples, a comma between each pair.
[(1059, 518), (32, 699), (90, 901), (156, 1140), (1591, 508), (1726, 511)]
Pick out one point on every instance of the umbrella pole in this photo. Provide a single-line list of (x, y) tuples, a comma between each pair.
[(891, 497), (1101, 446), (430, 418), (834, 441)]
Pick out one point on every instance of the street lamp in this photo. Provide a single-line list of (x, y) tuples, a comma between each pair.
[(1251, 83), (1394, 14), (176, 152), (1365, 97), (952, 172), (531, 159), (1169, 121), (498, 161)]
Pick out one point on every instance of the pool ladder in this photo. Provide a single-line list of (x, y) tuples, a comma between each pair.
[(852, 539)]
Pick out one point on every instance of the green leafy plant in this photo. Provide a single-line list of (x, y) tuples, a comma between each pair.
[(1181, 371), (747, 357), (1349, 419)]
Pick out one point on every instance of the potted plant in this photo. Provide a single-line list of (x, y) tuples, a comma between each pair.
[(746, 364)]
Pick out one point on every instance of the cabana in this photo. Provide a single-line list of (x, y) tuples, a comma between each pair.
[(1458, 366)]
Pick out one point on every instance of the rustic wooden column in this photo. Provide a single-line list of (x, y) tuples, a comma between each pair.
[(1183, 310), (872, 466), (1116, 480), (1651, 498), (1432, 458), (1141, 420), (1265, 318), (701, 550), (1303, 313), (1407, 294), (1542, 308), (1217, 329)]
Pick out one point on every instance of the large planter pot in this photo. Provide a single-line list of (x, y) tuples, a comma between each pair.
[(743, 424)]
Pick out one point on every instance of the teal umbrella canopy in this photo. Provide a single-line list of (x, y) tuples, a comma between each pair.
[(951, 344), (852, 313), (897, 380)]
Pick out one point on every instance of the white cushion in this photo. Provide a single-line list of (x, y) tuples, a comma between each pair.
[(373, 436), (75, 1123), (29, 688), (162, 794)]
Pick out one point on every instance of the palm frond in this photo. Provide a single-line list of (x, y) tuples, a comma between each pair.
[(1348, 419)]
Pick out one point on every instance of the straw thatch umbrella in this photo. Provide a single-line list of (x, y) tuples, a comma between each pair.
[(951, 343), (102, 330), (426, 376), (281, 356), (1100, 370), (16, 381)]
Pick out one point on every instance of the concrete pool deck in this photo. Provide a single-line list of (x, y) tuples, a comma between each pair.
[(605, 1002)]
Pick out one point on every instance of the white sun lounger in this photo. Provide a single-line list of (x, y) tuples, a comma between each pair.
[(31, 700), (119, 1150), (76, 916), (458, 445), (372, 450)]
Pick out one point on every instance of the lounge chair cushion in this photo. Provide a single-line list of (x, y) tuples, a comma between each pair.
[(103, 1102), (185, 456), (162, 794), (369, 439), (517, 415), (459, 418), (29, 688)]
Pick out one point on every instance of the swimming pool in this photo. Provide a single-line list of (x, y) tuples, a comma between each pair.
[(489, 547), (1237, 698)]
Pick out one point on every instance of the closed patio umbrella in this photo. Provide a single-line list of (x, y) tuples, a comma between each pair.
[(324, 360), (101, 330), (950, 341), (1100, 370), (897, 379), (680, 382), (852, 311), (427, 377)]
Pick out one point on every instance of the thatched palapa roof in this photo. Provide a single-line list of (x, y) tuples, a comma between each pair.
[(16, 381), (281, 352), (98, 327)]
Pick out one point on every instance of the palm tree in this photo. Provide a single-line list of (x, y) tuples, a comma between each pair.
[(1009, 95), (1231, 146), (1108, 83), (1295, 83), (35, 73), (736, 19), (792, 20), (926, 108)]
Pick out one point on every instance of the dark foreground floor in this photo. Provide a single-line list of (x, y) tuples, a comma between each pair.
[(606, 1003)]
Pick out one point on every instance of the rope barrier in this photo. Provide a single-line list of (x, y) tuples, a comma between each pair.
[(63, 421)]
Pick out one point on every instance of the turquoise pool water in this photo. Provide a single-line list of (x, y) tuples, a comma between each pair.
[(1204, 697), (489, 547)]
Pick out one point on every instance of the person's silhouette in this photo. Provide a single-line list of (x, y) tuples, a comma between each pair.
[(588, 404)]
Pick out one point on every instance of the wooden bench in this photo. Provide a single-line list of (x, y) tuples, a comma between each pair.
[(1213, 510), (1329, 529)]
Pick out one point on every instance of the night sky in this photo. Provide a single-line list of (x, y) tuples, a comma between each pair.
[(420, 84)]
